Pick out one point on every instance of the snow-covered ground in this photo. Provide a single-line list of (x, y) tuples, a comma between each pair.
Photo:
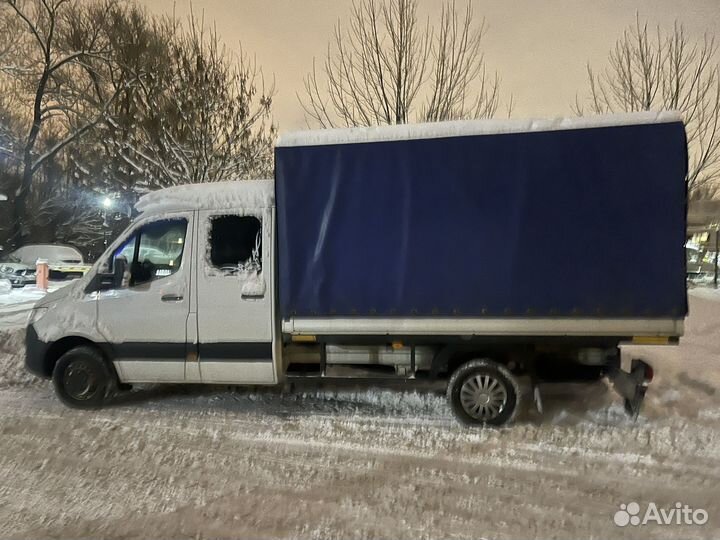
[(195, 462)]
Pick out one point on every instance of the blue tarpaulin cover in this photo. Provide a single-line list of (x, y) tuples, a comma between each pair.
[(562, 223)]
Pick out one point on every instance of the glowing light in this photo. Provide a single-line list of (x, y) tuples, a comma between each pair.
[(107, 202)]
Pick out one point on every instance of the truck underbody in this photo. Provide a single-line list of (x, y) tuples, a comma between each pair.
[(408, 358)]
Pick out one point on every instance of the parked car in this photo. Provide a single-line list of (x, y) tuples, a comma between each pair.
[(64, 262), (700, 265), (15, 271)]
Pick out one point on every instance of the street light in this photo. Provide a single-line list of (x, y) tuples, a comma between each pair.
[(107, 204)]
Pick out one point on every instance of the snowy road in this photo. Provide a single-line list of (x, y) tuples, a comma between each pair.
[(195, 462)]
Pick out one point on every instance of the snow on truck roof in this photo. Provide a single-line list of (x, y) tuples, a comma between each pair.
[(209, 196), (459, 128)]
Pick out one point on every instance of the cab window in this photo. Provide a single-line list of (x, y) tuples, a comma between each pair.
[(236, 243), (155, 251)]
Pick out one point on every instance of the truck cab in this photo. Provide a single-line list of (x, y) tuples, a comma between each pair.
[(185, 294)]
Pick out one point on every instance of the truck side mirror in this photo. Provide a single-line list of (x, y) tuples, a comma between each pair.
[(104, 281), (119, 268)]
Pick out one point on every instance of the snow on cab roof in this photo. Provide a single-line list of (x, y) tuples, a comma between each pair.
[(209, 196), (457, 128)]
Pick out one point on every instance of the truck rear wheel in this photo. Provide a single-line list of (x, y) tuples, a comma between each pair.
[(81, 378), (483, 392)]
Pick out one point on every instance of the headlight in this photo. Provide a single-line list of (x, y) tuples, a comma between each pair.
[(37, 314)]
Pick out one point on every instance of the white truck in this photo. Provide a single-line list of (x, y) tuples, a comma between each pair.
[(472, 252)]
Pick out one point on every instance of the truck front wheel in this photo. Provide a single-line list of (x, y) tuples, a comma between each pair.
[(483, 392), (81, 378)]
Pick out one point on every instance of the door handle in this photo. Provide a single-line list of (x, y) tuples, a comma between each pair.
[(171, 297)]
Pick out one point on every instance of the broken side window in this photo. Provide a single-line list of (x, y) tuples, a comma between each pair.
[(235, 243)]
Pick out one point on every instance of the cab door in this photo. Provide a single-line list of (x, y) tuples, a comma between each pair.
[(234, 296), (144, 321)]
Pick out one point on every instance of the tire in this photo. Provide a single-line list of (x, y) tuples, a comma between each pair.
[(486, 385), (82, 379)]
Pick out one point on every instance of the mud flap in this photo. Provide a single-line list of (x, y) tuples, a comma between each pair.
[(632, 386)]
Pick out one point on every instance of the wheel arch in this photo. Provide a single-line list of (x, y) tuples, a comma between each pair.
[(64, 344), (453, 355)]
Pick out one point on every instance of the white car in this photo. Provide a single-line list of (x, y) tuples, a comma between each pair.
[(15, 271), (64, 262)]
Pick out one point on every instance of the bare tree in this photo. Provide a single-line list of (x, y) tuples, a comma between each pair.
[(655, 70), (207, 115), (97, 97), (58, 39), (10, 121), (140, 45), (388, 68), (10, 124)]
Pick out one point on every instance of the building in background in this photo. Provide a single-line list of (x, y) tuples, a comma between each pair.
[(702, 245)]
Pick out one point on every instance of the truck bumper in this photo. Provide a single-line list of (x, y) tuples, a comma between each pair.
[(35, 354), (632, 386)]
